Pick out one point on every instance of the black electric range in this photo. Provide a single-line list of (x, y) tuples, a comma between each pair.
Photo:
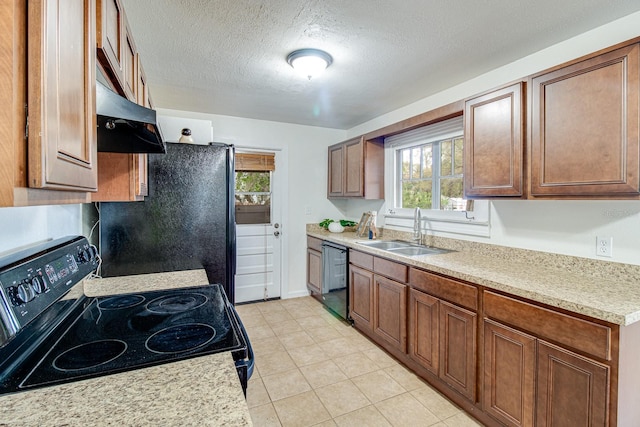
[(53, 338)]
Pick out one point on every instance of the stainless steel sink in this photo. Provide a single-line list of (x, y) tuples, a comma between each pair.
[(418, 250), (403, 248), (386, 244)]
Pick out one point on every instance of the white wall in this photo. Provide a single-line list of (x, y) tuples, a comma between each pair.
[(304, 149), (21, 227), (566, 227)]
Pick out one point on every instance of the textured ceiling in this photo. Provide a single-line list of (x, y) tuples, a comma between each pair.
[(229, 56)]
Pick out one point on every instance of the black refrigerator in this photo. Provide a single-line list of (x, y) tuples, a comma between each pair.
[(186, 222)]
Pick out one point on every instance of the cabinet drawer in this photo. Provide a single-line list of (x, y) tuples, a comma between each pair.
[(445, 288), (313, 243), (397, 272), (361, 259), (571, 331)]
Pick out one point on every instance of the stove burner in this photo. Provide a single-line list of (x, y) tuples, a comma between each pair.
[(118, 302), (176, 303), (180, 338), (89, 355)]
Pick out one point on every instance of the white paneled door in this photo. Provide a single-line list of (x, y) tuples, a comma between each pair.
[(258, 243), (257, 266)]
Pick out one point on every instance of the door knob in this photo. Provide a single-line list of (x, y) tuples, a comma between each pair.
[(276, 225), (276, 233)]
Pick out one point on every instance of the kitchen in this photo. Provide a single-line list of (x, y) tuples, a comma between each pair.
[(571, 229)]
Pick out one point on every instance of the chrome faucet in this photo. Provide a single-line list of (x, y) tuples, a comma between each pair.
[(417, 226)]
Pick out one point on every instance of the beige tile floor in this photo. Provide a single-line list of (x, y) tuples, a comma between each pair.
[(314, 370)]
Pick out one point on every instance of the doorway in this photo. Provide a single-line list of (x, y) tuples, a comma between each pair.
[(258, 204)]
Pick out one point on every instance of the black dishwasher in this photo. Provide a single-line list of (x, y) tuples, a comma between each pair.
[(335, 283)]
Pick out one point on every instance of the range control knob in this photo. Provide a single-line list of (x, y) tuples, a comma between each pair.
[(93, 252), (24, 293), (38, 285), (83, 256)]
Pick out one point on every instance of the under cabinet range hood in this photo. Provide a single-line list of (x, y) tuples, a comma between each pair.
[(124, 126)]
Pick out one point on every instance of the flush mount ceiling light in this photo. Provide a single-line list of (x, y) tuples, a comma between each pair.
[(309, 62)]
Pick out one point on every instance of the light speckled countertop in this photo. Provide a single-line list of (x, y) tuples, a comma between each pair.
[(202, 391), (578, 285)]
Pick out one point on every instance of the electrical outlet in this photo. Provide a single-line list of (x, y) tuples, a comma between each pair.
[(604, 246)]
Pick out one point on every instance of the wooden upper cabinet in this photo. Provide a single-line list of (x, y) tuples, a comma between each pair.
[(356, 169), (353, 162), (110, 37), (141, 160), (122, 176), (584, 127), (494, 143), (335, 187), (61, 95), (142, 90), (130, 65)]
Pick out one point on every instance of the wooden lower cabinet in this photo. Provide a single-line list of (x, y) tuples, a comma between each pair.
[(314, 271), (509, 374), (572, 390), (524, 365), (361, 297), (458, 349), (390, 311), (442, 339), (423, 330)]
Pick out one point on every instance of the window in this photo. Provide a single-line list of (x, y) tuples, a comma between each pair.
[(253, 188), (424, 168), (430, 184)]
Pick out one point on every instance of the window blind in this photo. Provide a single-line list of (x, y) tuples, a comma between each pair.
[(255, 162), (434, 132)]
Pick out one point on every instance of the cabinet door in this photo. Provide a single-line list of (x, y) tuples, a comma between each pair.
[(509, 374), (314, 271), (354, 168), (457, 363), (361, 297), (390, 312), (110, 36), (493, 143), (572, 390), (584, 127), (130, 65), (336, 171), (423, 330), (61, 95), (140, 161)]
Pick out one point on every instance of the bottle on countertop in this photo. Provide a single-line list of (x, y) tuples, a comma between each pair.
[(373, 230)]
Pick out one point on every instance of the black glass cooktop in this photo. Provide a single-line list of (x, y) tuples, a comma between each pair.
[(123, 332)]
